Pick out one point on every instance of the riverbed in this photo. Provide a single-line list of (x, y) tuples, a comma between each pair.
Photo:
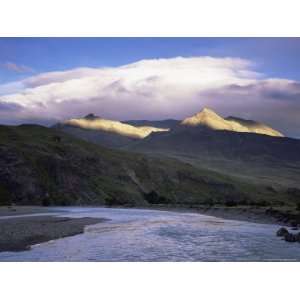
[(156, 235)]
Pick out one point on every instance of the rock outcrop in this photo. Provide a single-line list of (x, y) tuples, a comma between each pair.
[(287, 236), (282, 232)]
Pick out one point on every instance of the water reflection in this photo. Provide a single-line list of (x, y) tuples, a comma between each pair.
[(146, 235)]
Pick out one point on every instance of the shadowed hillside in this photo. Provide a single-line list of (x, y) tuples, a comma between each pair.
[(244, 149), (255, 157), (39, 165)]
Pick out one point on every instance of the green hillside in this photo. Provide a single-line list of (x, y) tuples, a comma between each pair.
[(44, 166), (255, 158)]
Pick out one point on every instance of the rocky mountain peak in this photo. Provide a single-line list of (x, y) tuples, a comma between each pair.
[(205, 117), (208, 118), (91, 116)]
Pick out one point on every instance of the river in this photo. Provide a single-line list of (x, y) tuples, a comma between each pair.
[(153, 235)]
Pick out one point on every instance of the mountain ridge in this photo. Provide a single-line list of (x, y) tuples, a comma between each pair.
[(40, 165), (93, 122), (209, 118), (256, 157), (118, 134)]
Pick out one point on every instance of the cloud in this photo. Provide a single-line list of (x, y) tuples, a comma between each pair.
[(12, 88), (160, 88), (17, 68), (273, 101), (9, 107)]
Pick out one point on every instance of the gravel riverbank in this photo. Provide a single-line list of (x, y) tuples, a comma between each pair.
[(25, 210), (18, 234)]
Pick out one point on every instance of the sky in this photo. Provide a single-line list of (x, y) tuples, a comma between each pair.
[(46, 80)]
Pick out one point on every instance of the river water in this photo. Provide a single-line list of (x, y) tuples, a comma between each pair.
[(152, 235)]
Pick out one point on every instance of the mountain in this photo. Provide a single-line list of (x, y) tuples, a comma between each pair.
[(212, 120), (116, 134), (258, 158), (40, 165), (100, 137), (167, 124), (93, 122), (105, 132), (244, 149)]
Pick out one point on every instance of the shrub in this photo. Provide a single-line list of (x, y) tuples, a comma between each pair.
[(231, 203), (5, 196), (46, 201), (116, 201), (154, 198)]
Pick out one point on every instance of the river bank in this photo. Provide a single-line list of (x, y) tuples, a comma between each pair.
[(283, 216), (263, 215), (160, 235), (248, 214), (18, 234), (6, 211)]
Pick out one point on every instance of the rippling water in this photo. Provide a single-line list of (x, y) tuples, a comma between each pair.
[(150, 235)]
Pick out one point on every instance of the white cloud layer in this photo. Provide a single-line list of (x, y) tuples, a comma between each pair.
[(156, 89)]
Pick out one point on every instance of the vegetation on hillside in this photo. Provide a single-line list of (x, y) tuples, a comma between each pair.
[(44, 166)]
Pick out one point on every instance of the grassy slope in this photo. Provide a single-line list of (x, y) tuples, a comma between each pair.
[(40, 165), (253, 158)]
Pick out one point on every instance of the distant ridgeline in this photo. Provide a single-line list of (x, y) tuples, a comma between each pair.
[(202, 160), (247, 149), (117, 134), (142, 128), (208, 118), (93, 122)]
